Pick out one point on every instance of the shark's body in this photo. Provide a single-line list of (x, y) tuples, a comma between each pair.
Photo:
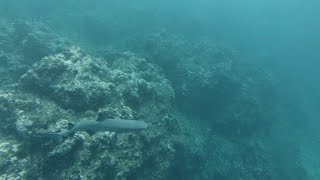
[(111, 125)]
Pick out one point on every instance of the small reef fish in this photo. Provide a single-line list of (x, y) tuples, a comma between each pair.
[(112, 125)]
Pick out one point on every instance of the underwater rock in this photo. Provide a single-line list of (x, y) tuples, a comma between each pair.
[(141, 82), (73, 79), (64, 88), (163, 49), (7, 112), (35, 41), (232, 160), (24, 43), (79, 82), (24, 114), (212, 83), (61, 86), (12, 165)]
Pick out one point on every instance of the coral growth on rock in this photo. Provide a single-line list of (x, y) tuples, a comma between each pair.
[(63, 88), (207, 110), (24, 43)]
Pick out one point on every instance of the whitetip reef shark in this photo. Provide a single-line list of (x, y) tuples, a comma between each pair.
[(117, 125)]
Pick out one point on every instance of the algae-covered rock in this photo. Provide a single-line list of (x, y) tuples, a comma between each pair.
[(248, 160), (73, 79), (65, 88), (7, 112), (12, 164), (24, 114), (212, 83), (142, 83), (24, 43), (33, 40), (205, 109), (79, 82)]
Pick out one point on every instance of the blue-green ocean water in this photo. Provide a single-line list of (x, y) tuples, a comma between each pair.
[(244, 74)]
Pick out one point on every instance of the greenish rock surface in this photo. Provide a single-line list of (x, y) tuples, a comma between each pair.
[(62, 89), (202, 104)]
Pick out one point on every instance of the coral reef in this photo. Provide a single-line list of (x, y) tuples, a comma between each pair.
[(11, 163), (64, 88), (207, 110), (79, 82), (212, 83)]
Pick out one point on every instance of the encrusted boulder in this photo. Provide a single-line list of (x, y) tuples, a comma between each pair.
[(78, 81), (73, 79), (212, 83), (7, 112), (24, 43)]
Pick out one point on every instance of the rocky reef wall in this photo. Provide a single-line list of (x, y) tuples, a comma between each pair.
[(208, 111)]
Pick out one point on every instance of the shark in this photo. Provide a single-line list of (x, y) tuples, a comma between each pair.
[(117, 125)]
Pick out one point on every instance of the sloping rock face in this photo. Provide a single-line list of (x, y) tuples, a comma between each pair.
[(64, 88), (79, 82), (24, 43), (232, 100), (208, 112), (213, 83)]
